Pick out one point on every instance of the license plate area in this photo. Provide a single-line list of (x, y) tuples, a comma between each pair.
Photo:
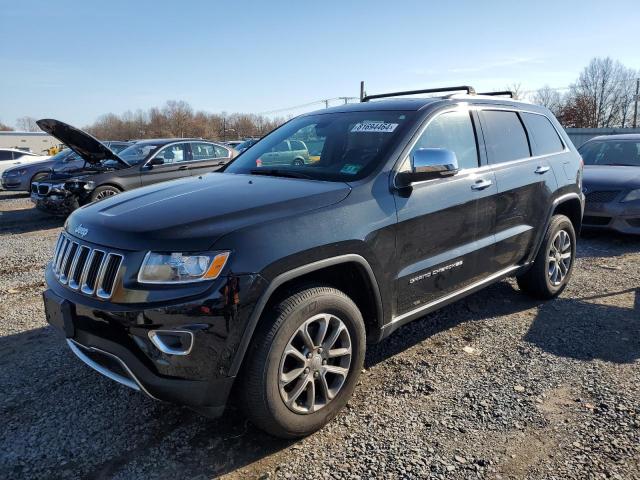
[(58, 312)]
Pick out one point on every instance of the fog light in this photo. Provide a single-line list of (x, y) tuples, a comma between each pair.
[(172, 342)]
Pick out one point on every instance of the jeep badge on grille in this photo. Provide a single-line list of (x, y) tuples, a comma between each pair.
[(80, 230)]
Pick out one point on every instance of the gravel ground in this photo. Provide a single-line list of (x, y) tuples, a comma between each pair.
[(494, 386)]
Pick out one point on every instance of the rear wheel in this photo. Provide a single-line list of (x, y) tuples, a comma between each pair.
[(103, 192), (298, 162), (553, 265), (304, 363)]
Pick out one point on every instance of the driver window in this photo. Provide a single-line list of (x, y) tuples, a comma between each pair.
[(453, 131), (172, 154)]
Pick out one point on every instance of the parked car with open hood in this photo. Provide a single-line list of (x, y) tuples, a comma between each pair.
[(612, 182), (107, 173), (20, 178), (11, 157)]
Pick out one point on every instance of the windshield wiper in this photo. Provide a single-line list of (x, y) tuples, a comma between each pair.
[(274, 172)]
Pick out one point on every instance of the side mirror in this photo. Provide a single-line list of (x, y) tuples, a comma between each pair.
[(430, 163), (156, 161)]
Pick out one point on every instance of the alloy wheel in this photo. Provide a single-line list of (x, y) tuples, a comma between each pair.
[(315, 364), (559, 258), (106, 193)]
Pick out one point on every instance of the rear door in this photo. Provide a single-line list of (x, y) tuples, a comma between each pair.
[(525, 185), (175, 165), (207, 157), (445, 226)]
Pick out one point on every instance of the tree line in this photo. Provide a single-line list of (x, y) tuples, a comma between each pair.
[(603, 96)]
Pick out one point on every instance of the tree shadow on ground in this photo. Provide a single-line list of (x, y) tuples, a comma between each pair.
[(27, 220)]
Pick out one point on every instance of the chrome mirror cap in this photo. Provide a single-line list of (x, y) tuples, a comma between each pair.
[(437, 161)]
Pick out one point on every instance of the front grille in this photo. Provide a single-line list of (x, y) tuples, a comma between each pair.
[(43, 189), (91, 270), (599, 221), (602, 196)]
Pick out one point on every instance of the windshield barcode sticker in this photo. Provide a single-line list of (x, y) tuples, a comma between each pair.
[(372, 126)]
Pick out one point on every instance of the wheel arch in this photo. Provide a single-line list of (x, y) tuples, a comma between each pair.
[(339, 272)]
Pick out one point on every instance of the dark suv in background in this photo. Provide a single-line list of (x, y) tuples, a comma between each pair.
[(272, 279)]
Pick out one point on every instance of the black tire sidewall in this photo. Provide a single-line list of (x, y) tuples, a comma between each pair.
[(559, 223), (301, 424)]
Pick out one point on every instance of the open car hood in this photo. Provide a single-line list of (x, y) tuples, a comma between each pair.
[(88, 147)]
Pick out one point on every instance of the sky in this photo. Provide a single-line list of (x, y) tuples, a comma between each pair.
[(76, 60)]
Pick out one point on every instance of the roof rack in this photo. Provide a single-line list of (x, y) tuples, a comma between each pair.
[(500, 93), (365, 98)]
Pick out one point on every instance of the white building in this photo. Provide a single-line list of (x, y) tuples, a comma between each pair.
[(35, 142)]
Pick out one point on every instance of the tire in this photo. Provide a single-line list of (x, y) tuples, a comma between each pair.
[(298, 162), (104, 191), (262, 395), (542, 280)]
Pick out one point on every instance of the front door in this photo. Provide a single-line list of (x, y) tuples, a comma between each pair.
[(445, 226), (174, 165)]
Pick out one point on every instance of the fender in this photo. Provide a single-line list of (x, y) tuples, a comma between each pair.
[(561, 199), (290, 275)]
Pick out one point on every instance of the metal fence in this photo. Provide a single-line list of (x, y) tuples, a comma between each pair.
[(580, 135)]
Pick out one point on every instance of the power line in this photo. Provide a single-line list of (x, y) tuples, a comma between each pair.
[(324, 101)]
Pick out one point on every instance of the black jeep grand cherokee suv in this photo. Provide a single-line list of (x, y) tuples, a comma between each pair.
[(273, 280)]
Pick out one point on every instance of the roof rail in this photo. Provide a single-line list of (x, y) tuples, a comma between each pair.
[(365, 98), (500, 93)]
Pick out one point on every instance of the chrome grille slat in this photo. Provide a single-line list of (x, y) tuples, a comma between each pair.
[(92, 271)]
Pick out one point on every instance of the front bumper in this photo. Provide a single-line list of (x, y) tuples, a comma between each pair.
[(623, 217), (114, 340), (13, 183)]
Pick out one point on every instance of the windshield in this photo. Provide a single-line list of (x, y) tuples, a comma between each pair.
[(138, 153), (332, 146), (244, 145), (611, 152)]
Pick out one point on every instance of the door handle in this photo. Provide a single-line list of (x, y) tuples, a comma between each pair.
[(542, 169), (481, 184)]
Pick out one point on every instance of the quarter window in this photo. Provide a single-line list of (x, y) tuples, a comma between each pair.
[(5, 156), (453, 131), (544, 137), (504, 136), (221, 152)]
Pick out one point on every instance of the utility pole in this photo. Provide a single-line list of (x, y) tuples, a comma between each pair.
[(361, 90), (326, 104), (635, 104)]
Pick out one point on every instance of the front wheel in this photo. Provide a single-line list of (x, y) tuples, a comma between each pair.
[(103, 192), (552, 267), (304, 363)]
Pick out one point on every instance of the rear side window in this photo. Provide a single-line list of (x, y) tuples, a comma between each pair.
[(221, 152), (544, 138), (452, 131), (504, 136), (4, 155)]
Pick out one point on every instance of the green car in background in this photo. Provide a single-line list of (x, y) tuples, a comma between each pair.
[(289, 152)]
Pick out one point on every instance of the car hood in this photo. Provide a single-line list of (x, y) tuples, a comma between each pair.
[(88, 147), (608, 176), (192, 214)]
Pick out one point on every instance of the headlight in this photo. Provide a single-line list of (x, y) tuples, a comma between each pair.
[(89, 185), (632, 195), (16, 173), (170, 268)]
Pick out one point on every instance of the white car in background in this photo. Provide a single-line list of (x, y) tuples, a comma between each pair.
[(10, 157)]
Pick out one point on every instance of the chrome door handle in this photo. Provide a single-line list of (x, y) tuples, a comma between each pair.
[(481, 184), (542, 169)]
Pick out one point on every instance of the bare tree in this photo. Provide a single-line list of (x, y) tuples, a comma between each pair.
[(27, 124), (550, 98), (516, 89), (5, 128), (603, 85)]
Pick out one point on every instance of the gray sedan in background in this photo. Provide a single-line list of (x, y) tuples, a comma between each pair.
[(21, 177), (611, 182)]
